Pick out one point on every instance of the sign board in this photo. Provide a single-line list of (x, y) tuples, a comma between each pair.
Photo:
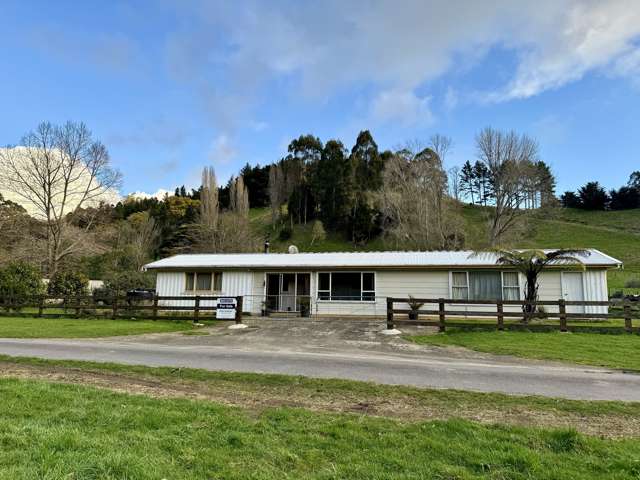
[(226, 308)]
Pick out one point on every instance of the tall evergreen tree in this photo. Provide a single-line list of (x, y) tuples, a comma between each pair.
[(331, 183), (467, 181)]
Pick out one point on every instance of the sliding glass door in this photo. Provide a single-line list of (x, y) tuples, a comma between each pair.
[(288, 292)]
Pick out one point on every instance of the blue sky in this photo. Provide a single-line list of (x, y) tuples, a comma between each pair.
[(173, 86)]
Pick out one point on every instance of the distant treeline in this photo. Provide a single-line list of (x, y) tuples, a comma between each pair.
[(592, 196)]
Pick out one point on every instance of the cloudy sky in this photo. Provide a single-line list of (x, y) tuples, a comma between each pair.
[(171, 86)]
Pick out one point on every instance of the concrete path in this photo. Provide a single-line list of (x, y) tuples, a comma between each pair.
[(388, 361)]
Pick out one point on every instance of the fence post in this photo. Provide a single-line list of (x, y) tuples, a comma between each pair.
[(500, 315), (238, 310), (196, 309), (441, 318), (627, 318), (563, 315), (390, 325), (155, 307)]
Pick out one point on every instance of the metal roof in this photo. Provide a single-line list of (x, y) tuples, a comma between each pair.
[(435, 259)]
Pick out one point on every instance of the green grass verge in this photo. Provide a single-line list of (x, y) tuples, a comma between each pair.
[(613, 351), (296, 387), (27, 327), (57, 431)]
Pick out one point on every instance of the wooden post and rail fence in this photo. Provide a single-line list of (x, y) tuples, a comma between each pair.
[(461, 313), (193, 308)]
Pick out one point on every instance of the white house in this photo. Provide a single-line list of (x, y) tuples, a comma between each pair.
[(358, 283)]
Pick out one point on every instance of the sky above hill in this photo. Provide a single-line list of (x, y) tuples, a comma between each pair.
[(172, 86)]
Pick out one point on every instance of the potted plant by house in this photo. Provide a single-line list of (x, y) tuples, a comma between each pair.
[(265, 309), (305, 307), (414, 306)]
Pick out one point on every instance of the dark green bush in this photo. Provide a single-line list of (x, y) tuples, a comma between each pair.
[(19, 280), (120, 282), (68, 284)]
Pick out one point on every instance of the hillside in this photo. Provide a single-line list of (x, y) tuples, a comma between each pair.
[(616, 233)]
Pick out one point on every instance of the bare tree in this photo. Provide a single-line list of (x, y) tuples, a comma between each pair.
[(507, 156), (209, 204), (276, 191), (239, 197), (139, 236), (441, 144), (413, 202), (228, 231), (454, 182), (57, 171)]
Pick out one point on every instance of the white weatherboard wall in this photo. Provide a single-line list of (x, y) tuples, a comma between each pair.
[(234, 283), (389, 283)]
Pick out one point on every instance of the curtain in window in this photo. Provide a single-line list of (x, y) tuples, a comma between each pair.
[(485, 286), (203, 281), (459, 287), (510, 286)]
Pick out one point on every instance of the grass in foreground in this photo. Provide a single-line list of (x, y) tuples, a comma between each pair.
[(613, 351), (26, 327), (59, 431), (257, 392)]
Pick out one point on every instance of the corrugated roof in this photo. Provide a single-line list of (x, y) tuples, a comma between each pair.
[(461, 258)]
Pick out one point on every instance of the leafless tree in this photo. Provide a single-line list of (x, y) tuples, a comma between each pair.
[(276, 191), (228, 231), (441, 144), (57, 171), (209, 204), (414, 204), (454, 182), (139, 235), (508, 157), (239, 197)]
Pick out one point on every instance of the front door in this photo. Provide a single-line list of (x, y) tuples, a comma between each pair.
[(288, 292), (572, 289)]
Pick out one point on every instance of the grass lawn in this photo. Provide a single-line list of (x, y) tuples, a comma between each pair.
[(614, 351), (59, 431), (26, 327)]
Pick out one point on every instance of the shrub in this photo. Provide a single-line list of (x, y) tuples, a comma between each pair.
[(633, 283), (68, 284), (19, 280), (121, 282), (285, 234)]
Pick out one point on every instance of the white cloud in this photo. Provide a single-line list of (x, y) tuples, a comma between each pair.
[(323, 48), (158, 194), (402, 106)]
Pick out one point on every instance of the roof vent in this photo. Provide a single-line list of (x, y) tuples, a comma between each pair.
[(293, 249)]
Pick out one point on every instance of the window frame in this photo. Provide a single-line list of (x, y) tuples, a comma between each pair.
[(502, 285), (216, 277), (363, 293), (511, 287)]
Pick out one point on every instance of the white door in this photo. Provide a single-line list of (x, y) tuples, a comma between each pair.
[(572, 289)]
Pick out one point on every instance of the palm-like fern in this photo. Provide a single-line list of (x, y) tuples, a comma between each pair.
[(531, 262)]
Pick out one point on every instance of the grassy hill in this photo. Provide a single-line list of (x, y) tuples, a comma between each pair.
[(615, 233)]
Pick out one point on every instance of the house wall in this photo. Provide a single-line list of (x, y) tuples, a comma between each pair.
[(389, 283), (234, 283)]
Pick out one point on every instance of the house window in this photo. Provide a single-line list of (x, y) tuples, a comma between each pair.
[(510, 286), (485, 285), (459, 285), (203, 281), (347, 286)]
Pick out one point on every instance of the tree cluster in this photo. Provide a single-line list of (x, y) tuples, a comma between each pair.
[(593, 196)]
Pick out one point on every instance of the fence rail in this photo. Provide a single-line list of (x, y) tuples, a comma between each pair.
[(116, 307), (615, 310)]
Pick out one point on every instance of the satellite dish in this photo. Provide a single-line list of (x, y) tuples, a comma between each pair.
[(293, 249)]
